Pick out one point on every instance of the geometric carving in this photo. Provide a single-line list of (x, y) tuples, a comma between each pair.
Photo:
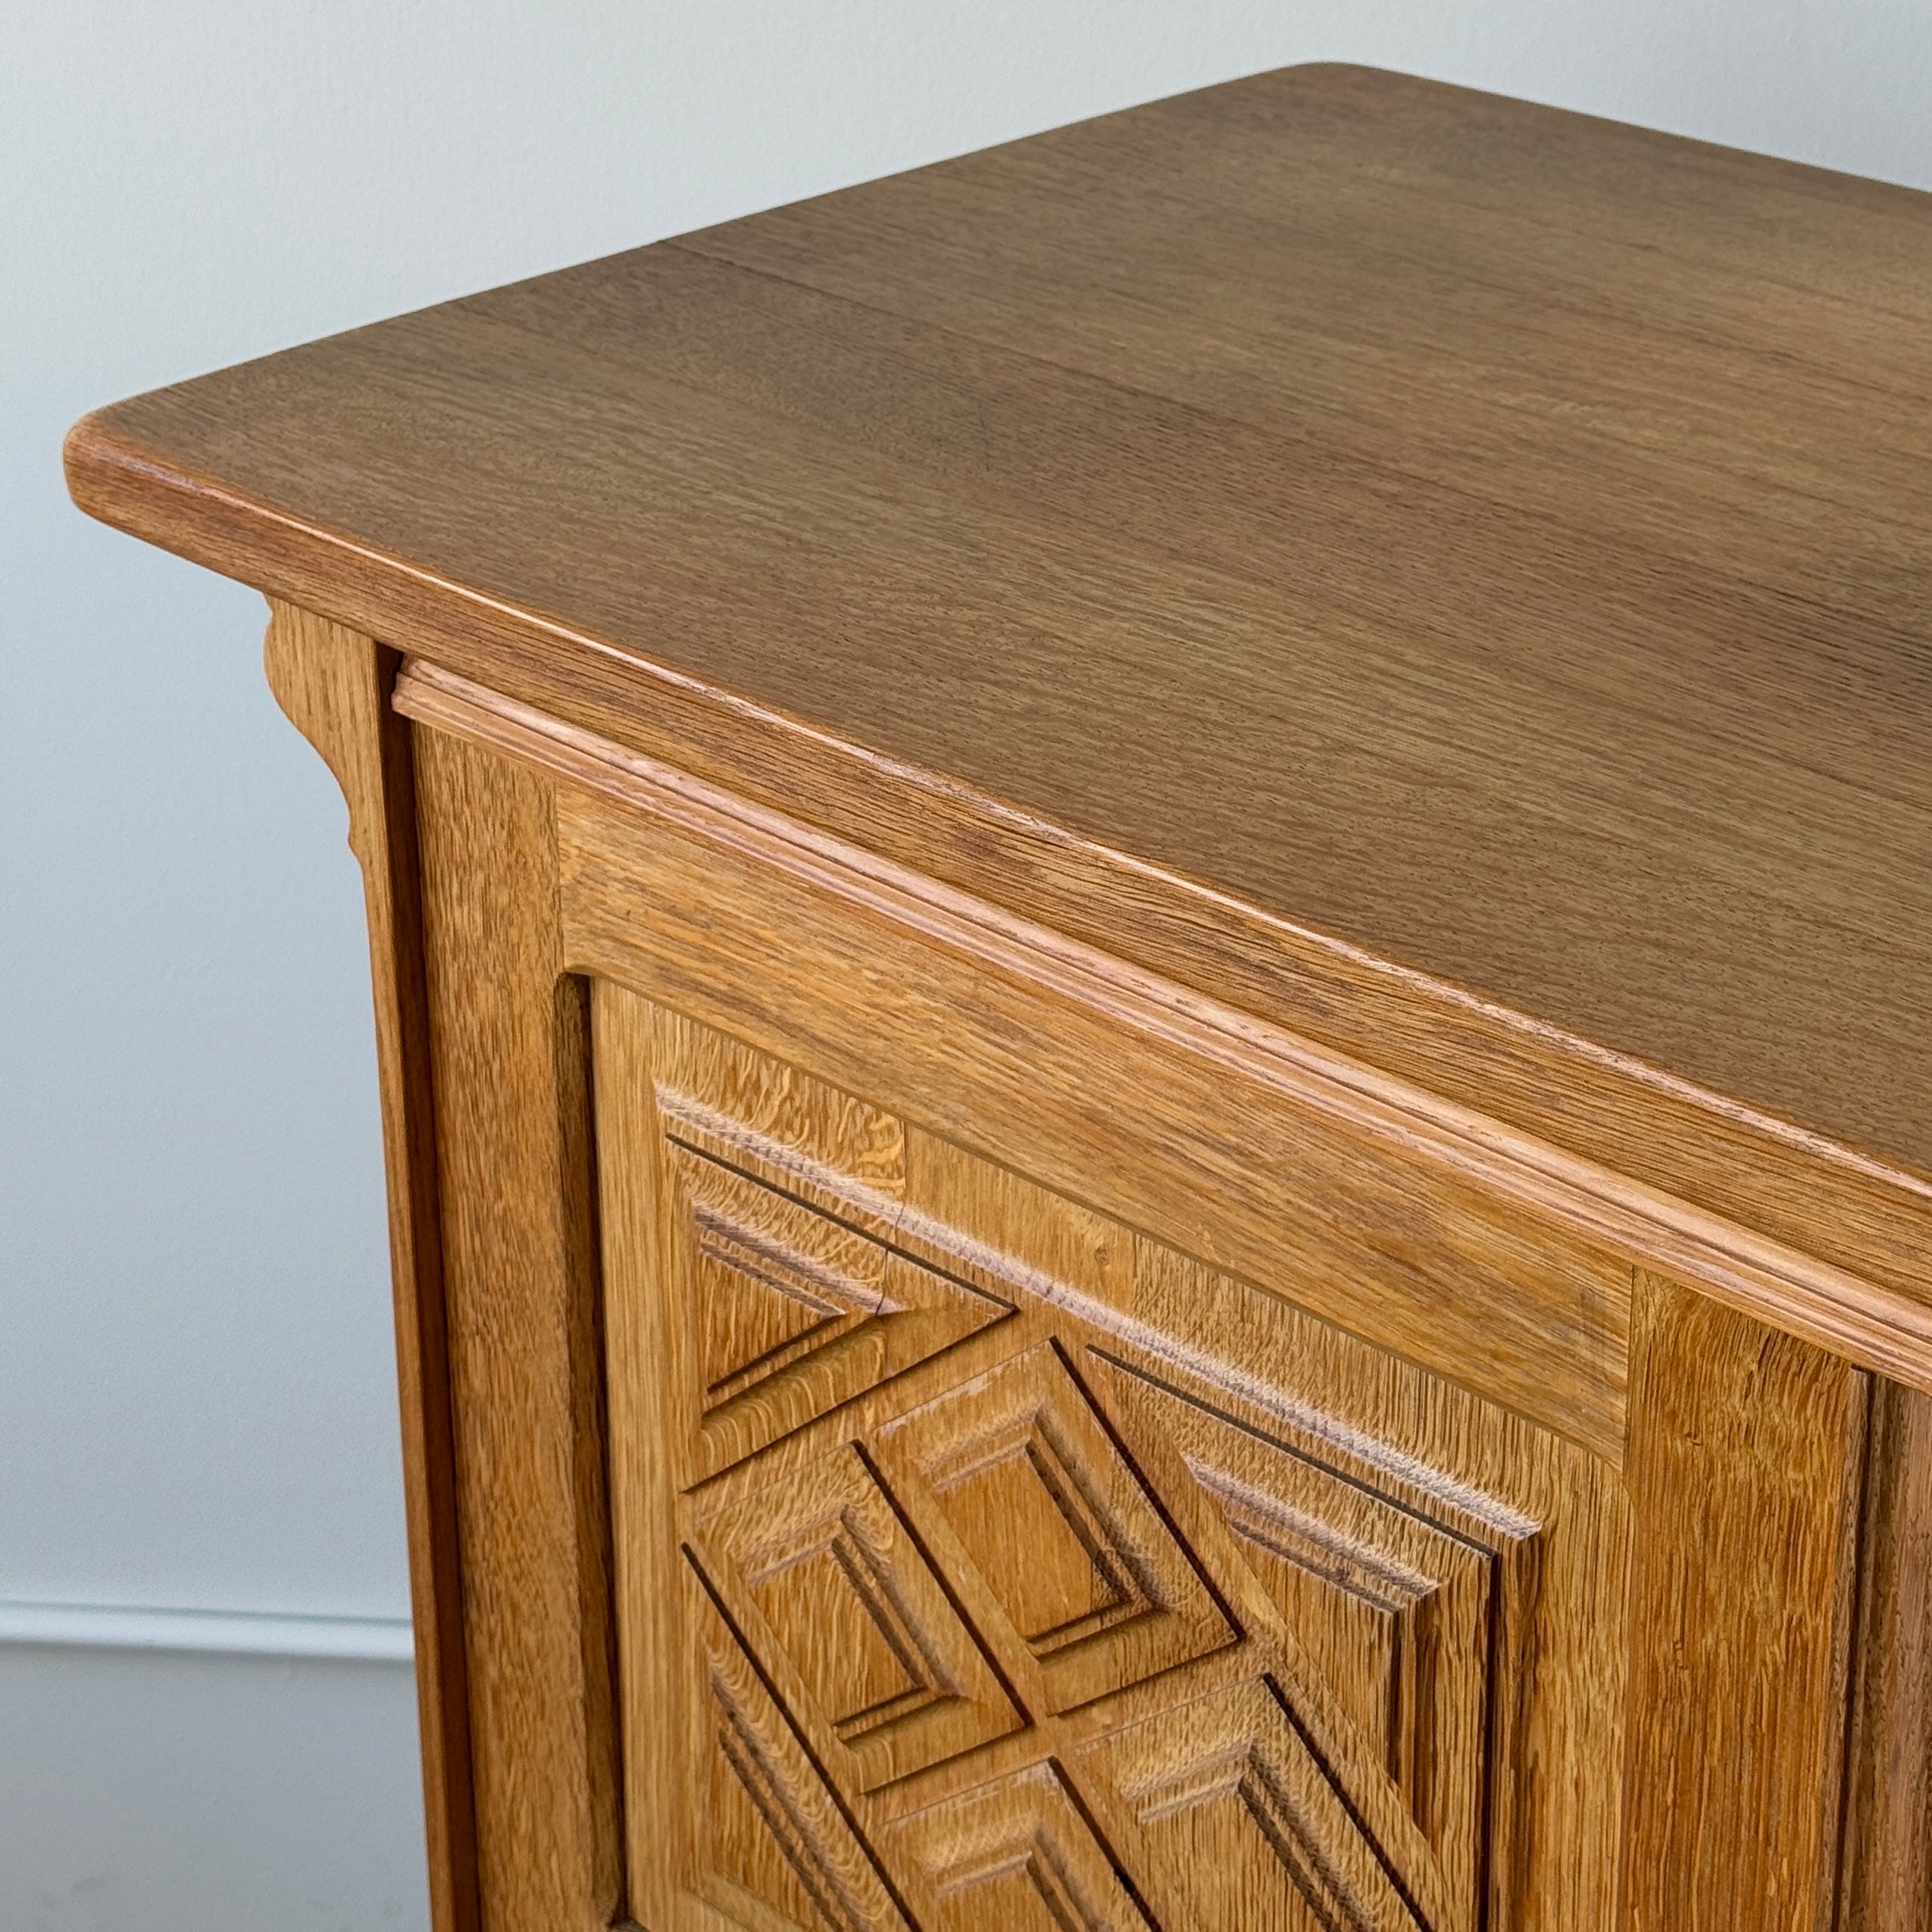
[(760, 1304), (1411, 1621), (1060, 1528), (1237, 1813), (794, 1311), (1108, 1631), (777, 1847), (839, 1598), (1016, 1853)]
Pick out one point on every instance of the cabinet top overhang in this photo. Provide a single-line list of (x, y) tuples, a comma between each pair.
[(1495, 540)]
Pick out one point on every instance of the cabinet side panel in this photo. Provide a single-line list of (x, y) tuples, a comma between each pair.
[(510, 1046), (334, 684), (1745, 1469), (983, 1562)]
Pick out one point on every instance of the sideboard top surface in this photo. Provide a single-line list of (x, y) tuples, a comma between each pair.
[(1497, 539)]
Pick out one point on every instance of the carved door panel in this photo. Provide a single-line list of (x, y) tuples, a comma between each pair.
[(982, 1563)]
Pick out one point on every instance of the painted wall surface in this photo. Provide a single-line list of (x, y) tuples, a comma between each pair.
[(206, 1794), (195, 1404)]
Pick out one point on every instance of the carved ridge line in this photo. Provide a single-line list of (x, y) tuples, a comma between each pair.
[(1045, 1844), (853, 1198), (1045, 1868), (1494, 1514), (1133, 1593), (1244, 1774), (872, 1584), (1849, 1315), (1280, 1822), (794, 1833), (783, 1269), (1084, 1517), (891, 1219), (755, 1256), (767, 1272), (827, 1789), (844, 1540), (918, 1229), (1254, 1514)]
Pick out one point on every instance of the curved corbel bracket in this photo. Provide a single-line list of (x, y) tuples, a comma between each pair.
[(332, 682)]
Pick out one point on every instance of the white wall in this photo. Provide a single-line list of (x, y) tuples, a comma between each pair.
[(196, 1406)]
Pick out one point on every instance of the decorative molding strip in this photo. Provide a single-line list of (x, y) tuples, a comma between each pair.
[(221, 1633), (1876, 1326)]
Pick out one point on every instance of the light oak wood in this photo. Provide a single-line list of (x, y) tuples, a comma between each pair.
[(1072, 1570), (1745, 1478), (1854, 1315), (1149, 918), (1080, 492), (1887, 1878), (1514, 1302), (507, 1039), (335, 687)]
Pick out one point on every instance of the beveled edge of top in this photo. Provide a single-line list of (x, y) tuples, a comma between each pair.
[(1708, 1147)]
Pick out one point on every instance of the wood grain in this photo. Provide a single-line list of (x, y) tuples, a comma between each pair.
[(1455, 528), (1201, 1149), (1158, 1504), (1887, 1878), (1843, 1312), (1746, 1461), (1148, 916), (335, 686), (656, 1408), (1418, 1621), (508, 1042), (1018, 1853)]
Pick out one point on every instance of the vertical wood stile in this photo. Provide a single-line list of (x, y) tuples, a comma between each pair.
[(510, 1045), (1887, 1882), (1745, 1470)]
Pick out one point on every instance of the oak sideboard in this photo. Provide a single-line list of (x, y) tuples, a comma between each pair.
[(1151, 919)]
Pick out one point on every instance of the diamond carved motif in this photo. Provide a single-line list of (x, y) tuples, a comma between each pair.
[(761, 1305), (1017, 1852), (1244, 1821), (1409, 1600), (1079, 1629), (777, 1844), (832, 1586), (1045, 1506)]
